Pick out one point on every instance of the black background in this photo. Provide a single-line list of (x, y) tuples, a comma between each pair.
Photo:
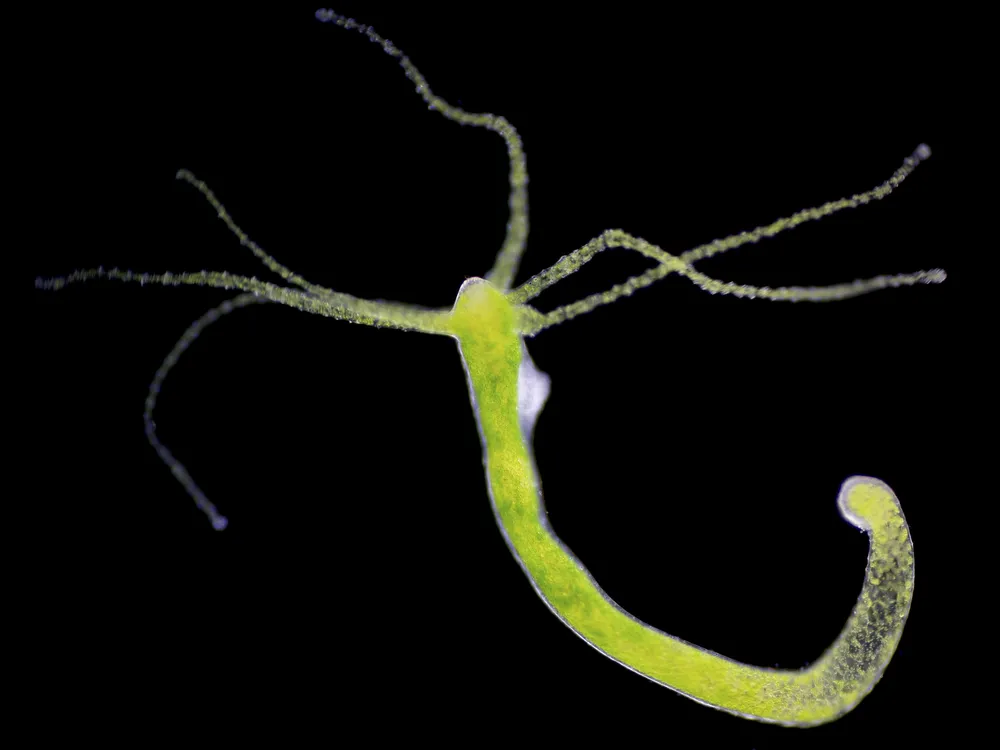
[(691, 450)]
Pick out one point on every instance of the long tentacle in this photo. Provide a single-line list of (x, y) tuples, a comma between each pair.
[(533, 321), (509, 257), (334, 305), (178, 469), (245, 240)]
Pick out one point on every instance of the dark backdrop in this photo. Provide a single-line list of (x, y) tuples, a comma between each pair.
[(692, 447)]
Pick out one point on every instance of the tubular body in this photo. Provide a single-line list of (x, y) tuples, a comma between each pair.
[(507, 392)]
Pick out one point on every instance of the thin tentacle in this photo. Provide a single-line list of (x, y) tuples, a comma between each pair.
[(245, 240), (509, 257), (533, 321), (180, 472), (335, 305), (922, 152)]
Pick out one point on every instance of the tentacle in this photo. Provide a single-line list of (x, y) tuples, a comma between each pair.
[(245, 240), (507, 261), (922, 152), (334, 305), (533, 321), (178, 469)]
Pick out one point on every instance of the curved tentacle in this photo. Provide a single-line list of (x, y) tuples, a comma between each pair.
[(180, 472), (284, 272), (534, 322), (509, 257)]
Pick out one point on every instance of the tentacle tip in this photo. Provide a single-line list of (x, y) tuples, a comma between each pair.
[(936, 276), (923, 151), (219, 523)]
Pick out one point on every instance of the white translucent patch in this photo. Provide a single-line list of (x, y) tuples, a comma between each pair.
[(465, 285), (533, 388)]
